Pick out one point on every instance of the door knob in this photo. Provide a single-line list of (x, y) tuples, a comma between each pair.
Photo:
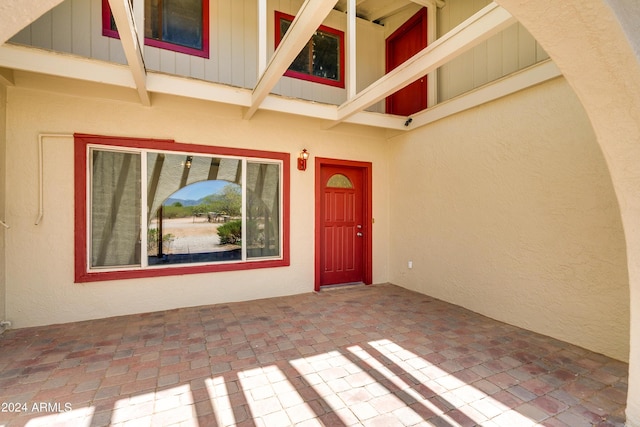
[(359, 234)]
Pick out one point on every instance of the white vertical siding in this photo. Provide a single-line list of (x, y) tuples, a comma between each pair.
[(75, 26), (99, 44), (167, 61), (61, 21), (23, 37), (223, 28), (196, 66), (80, 27), (250, 35), (41, 31), (370, 61), (507, 52), (237, 43)]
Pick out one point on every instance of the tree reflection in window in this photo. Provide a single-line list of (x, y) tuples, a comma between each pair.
[(201, 222), (194, 209)]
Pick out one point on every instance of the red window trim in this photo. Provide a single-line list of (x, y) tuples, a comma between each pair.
[(203, 53), (303, 76), (81, 269)]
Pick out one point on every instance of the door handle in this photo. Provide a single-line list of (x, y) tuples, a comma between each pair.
[(359, 234)]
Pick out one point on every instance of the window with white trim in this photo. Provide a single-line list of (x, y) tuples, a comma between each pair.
[(152, 208)]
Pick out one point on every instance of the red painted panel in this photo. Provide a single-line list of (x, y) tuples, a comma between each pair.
[(405, 42), (343, 211), (362, 263)]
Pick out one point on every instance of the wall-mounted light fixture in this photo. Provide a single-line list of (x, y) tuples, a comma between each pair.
[(302, 160)]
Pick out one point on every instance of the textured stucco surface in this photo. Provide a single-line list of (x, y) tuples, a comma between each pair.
[(45, 293), (3, 183), (17, 14), (511, 213), (589, 45)]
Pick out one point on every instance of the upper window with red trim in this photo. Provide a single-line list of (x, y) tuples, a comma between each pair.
[(150, 208), (322, 58), (177, 25)]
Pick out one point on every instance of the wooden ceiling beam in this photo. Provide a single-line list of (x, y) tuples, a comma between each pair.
[(489, 21), (64, 65), (123, 15)]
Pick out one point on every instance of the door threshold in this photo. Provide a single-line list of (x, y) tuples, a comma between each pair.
[(340, 285)]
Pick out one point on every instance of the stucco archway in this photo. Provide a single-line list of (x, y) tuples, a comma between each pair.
[(587, 42)]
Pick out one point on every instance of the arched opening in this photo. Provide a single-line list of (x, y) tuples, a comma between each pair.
[(589, 46)]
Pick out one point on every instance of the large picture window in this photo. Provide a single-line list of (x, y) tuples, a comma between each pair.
[(178, 25), (322, 58), (149, 208)]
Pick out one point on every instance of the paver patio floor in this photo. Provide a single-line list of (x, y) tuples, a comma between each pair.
[(361, 355)]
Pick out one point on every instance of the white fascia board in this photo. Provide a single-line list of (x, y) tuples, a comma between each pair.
[(79, 68), (380, 120), (299, 107), (197, 89), (310, 16), (65, 65), (489, 21), (123, 15), (531, 76), (328, 112)]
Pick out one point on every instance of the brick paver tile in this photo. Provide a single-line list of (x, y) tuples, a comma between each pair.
[(364, 355)]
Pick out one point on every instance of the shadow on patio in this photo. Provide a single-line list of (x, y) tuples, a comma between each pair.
[(378, 355)]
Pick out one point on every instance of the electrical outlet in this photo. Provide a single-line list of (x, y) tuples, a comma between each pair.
[(410, 264)]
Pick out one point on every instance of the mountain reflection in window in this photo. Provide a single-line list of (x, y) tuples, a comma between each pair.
[(194, 209), (201, 222), (193, 219)]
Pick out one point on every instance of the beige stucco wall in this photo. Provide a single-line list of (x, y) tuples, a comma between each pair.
[(17, 14), (512, 214), (3, 183), (40, 258), (587, 42)]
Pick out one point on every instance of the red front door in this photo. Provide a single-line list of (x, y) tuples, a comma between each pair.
[(405, 42), (342, 227)]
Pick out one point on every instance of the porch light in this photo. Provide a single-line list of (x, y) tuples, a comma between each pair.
[(302, 160)]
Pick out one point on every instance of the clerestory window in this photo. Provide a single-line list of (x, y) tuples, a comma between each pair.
[(322, 58), (177, 25), (149, 208)]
